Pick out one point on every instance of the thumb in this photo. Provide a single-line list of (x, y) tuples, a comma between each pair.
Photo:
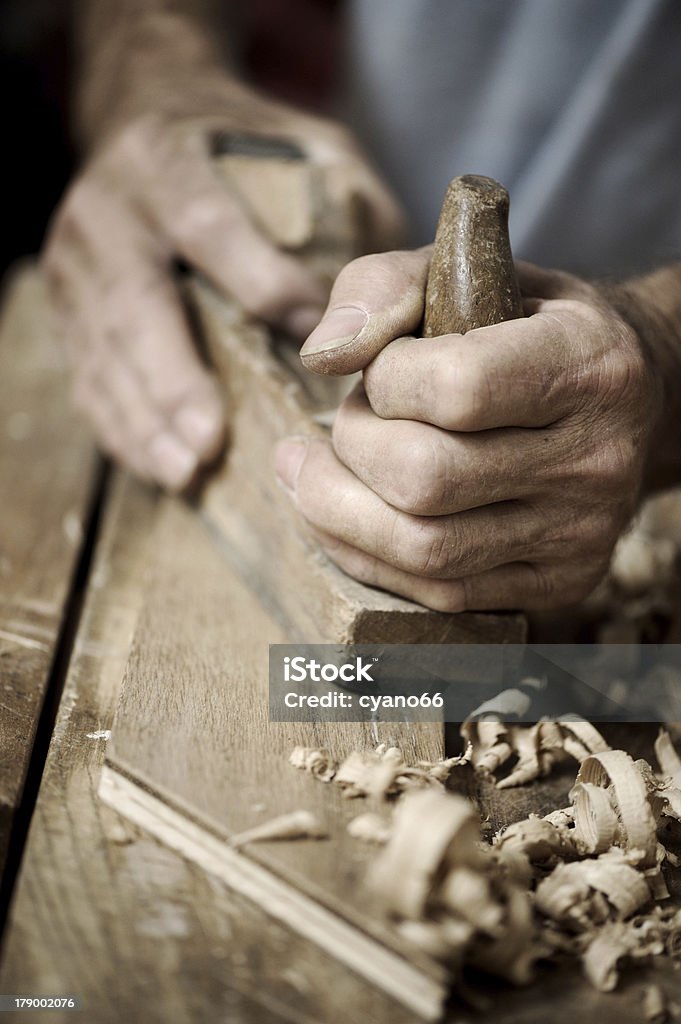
[(375, 299)]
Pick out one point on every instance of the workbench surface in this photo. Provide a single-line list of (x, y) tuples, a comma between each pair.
[(99, 909)]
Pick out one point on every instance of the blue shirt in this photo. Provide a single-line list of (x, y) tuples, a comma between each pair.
[(574, 105)]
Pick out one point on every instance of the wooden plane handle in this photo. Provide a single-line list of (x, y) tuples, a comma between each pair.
[(303, 207), (472, 281)]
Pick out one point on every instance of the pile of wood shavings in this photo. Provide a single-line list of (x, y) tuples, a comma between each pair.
[(584, 881), (538, 748), (382, 772)]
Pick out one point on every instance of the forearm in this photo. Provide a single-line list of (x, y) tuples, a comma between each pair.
[(128, 51), (652, 306)]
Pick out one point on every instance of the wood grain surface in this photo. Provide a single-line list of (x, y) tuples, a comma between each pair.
[(192, 726), (102, 910), (47, 464)]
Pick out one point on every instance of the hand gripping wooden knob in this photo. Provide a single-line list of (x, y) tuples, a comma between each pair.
[(472, 280)]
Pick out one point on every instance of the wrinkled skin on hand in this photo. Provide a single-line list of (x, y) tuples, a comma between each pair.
[(147, 197), (489, 470)]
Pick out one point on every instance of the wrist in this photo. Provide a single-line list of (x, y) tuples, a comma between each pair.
[(147, 61), (651, 306)]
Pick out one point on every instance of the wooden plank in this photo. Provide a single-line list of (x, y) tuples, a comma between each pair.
[(192, 730), (102, 910), (47, 469), (421, 993)]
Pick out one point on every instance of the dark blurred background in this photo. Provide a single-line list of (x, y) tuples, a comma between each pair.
[(36, 155)]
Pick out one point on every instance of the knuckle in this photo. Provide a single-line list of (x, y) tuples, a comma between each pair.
[(545, 585), (427, 551), (574, 531), (65, 224), (363, 268), (423, 487), (337, 136), (560, 586), (84, 200), (52, 266), (198, 216), (626, 366), (596, 530), (381, 270), (76, 219), (616, 372), (138, 141), (612, 468), (618, 461), (462, 395), (622, 386)]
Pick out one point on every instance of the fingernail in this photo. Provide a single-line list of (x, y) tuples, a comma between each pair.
[(338, 328), (200, 428), (174, 463), (301, 322), (288, 461)]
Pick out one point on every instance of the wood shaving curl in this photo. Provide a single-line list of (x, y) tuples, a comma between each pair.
[(317, 762), (370, 828), (296, 825), (441, 883), (587, 893), (538, 839), (636, 828), (379, 773)]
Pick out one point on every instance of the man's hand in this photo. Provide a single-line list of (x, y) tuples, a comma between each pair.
[(148, 196), (489, 470)]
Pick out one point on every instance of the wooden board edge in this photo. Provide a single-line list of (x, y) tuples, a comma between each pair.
[(379, 966)]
